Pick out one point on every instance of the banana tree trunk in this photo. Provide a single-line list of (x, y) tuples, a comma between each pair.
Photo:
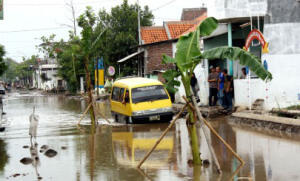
[(191, 125)]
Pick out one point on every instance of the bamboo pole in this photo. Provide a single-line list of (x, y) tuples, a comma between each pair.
[(102, 115), (206, 134), (144, 174), (162, 136), (217, 135), (84, 113), (224, 142), (89, 89)]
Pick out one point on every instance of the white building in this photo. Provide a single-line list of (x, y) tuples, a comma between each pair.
[(279, 21), (45, 77)]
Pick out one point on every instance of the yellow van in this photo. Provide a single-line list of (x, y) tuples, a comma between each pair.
[(140, 99)]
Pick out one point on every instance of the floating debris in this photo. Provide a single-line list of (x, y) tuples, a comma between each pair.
[(25, 146), (26, 160), (44, 148), (63, 147), (16, 175), (51, 153)]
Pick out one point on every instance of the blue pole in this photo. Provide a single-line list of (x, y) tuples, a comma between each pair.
[(230, 45)]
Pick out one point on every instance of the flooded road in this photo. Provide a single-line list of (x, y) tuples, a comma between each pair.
[(114, 150)]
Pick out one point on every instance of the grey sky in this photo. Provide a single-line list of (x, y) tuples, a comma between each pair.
[(49, 15)]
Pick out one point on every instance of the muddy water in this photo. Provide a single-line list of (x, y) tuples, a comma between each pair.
[(115, 149)]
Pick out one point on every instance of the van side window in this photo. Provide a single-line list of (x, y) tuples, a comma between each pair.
[(115, 94), (126, 96), (121, 95)]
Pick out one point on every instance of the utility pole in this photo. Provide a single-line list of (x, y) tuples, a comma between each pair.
[(139, 23)]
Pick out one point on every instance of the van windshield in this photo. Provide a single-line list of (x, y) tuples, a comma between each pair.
[(149, 93)]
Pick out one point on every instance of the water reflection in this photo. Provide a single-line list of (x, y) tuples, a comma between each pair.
[(111, 152), (3, 155)]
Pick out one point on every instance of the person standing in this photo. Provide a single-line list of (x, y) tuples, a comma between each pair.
[(244, 73), (228, 90), (213, 90), (195, 86), (220, 86)]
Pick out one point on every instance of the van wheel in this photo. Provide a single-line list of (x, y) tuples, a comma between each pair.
[(128, 120), (116, 118)]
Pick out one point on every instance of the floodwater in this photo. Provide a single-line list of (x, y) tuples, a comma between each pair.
[(114, 150)]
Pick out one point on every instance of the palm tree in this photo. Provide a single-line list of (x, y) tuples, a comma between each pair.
[(188, 56)]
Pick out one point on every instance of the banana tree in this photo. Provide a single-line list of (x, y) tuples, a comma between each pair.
[(188, 56)]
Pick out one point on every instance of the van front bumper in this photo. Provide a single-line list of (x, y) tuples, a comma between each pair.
[(164, 116)]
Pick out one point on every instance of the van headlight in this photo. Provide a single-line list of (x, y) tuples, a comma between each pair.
[(138, 113), (167, 109)]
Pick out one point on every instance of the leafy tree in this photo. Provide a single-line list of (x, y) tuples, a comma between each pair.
[(10, 73), (121, 36), (188, 56), (25, 69), (3, 67)]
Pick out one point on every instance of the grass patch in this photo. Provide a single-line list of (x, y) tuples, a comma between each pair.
[(294, 107)]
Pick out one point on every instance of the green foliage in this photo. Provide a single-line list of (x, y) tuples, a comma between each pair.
[(294, 107), (11, 72), (3, 67), (25, 69), (122, 32), (111, 35)]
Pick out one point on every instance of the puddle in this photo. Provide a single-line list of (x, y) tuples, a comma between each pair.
[(115, 149)]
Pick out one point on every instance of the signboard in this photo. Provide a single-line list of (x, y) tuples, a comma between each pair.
[(111, 71), (1, 9), (256, 34), (99, 74)]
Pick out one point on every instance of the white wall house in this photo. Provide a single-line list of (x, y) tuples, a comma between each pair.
[(280, 25), (51, 80)]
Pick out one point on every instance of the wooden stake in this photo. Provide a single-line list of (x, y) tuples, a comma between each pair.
[(97, 111), (162, 136), (84, 113), (144, 174), (215, 133)]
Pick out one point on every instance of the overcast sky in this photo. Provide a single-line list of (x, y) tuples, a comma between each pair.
[(49, 16)]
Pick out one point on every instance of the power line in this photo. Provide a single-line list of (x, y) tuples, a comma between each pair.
[(164, 5), (55, 4), (28, 30)]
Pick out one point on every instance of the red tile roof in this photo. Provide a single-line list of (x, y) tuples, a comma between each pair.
[(153, 34), (177, 28), (198, 20)]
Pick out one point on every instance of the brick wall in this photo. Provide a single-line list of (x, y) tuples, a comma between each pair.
[(154, 57)]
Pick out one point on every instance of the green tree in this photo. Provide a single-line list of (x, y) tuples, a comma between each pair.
[(24, 70), (188, 56), (121, 36), (3, 67), (11, 72)]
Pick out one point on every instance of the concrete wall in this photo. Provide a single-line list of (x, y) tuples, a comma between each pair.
[(286, 11), (283, 63), (236, 8)]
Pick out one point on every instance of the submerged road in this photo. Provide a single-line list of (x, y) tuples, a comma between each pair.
[(115, 149)]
